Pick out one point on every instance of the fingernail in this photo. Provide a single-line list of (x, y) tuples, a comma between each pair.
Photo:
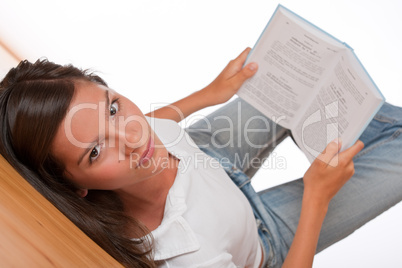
[(252, 66)]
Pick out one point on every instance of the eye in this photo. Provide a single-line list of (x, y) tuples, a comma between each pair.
[(114, 107), (94, 153)]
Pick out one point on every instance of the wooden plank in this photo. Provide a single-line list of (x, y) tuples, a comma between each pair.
[(33, 233)]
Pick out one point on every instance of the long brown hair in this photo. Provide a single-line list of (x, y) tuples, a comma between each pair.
[(34, 98)]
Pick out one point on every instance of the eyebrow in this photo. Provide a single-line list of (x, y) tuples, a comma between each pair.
[(96, 140)]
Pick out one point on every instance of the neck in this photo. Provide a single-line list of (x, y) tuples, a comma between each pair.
[(145, 201)]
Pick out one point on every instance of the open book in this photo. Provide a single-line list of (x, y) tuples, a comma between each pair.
[(311, 83)]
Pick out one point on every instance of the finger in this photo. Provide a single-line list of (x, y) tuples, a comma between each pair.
[(236, 65), (243, 56), (248, 71), (330, 151), (353, 150), (237, 73)]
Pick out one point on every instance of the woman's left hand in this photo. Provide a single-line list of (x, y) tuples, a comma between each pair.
[(229, 80)]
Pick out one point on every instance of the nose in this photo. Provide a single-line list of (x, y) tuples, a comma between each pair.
[(131, 133)]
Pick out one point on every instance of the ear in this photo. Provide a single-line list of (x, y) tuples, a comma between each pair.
[(82, 192)]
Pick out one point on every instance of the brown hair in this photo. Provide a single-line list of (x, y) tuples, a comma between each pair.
[(34, 98)]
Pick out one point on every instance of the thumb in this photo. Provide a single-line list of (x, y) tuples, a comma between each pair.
[(248, 71), (330, 151), (347, 155)]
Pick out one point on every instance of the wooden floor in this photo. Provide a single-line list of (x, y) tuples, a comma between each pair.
[(33, 233)]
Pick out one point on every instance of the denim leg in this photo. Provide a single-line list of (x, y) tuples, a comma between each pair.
[(238, 133), (375, 187)]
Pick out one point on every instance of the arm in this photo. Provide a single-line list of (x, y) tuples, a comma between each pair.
[(327, 174), (219, 91)]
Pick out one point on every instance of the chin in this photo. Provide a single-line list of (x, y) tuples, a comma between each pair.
[(157, 163)]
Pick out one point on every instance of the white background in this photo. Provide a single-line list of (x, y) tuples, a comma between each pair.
[(160, 51)]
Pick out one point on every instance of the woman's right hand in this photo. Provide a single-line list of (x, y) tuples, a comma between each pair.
[(325, 177), (329, 172)]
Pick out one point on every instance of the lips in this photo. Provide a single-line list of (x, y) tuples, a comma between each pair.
[(147, 154)]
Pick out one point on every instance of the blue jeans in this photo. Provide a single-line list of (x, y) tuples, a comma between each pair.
[(375, 186)]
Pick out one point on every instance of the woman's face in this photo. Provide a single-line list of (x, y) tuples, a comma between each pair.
[(105, 141)]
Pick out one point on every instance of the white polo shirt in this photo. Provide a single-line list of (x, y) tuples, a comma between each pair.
[(207, 222)]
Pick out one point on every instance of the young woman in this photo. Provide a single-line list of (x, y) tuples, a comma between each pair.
[(141, 187)]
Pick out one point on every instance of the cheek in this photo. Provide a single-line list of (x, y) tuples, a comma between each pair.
[(112, 169), (112, 174), (105, 176)]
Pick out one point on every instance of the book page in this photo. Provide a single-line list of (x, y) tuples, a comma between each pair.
[(344, 106), (292, 62)]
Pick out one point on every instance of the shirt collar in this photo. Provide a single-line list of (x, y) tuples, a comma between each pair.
[(174, 236)]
